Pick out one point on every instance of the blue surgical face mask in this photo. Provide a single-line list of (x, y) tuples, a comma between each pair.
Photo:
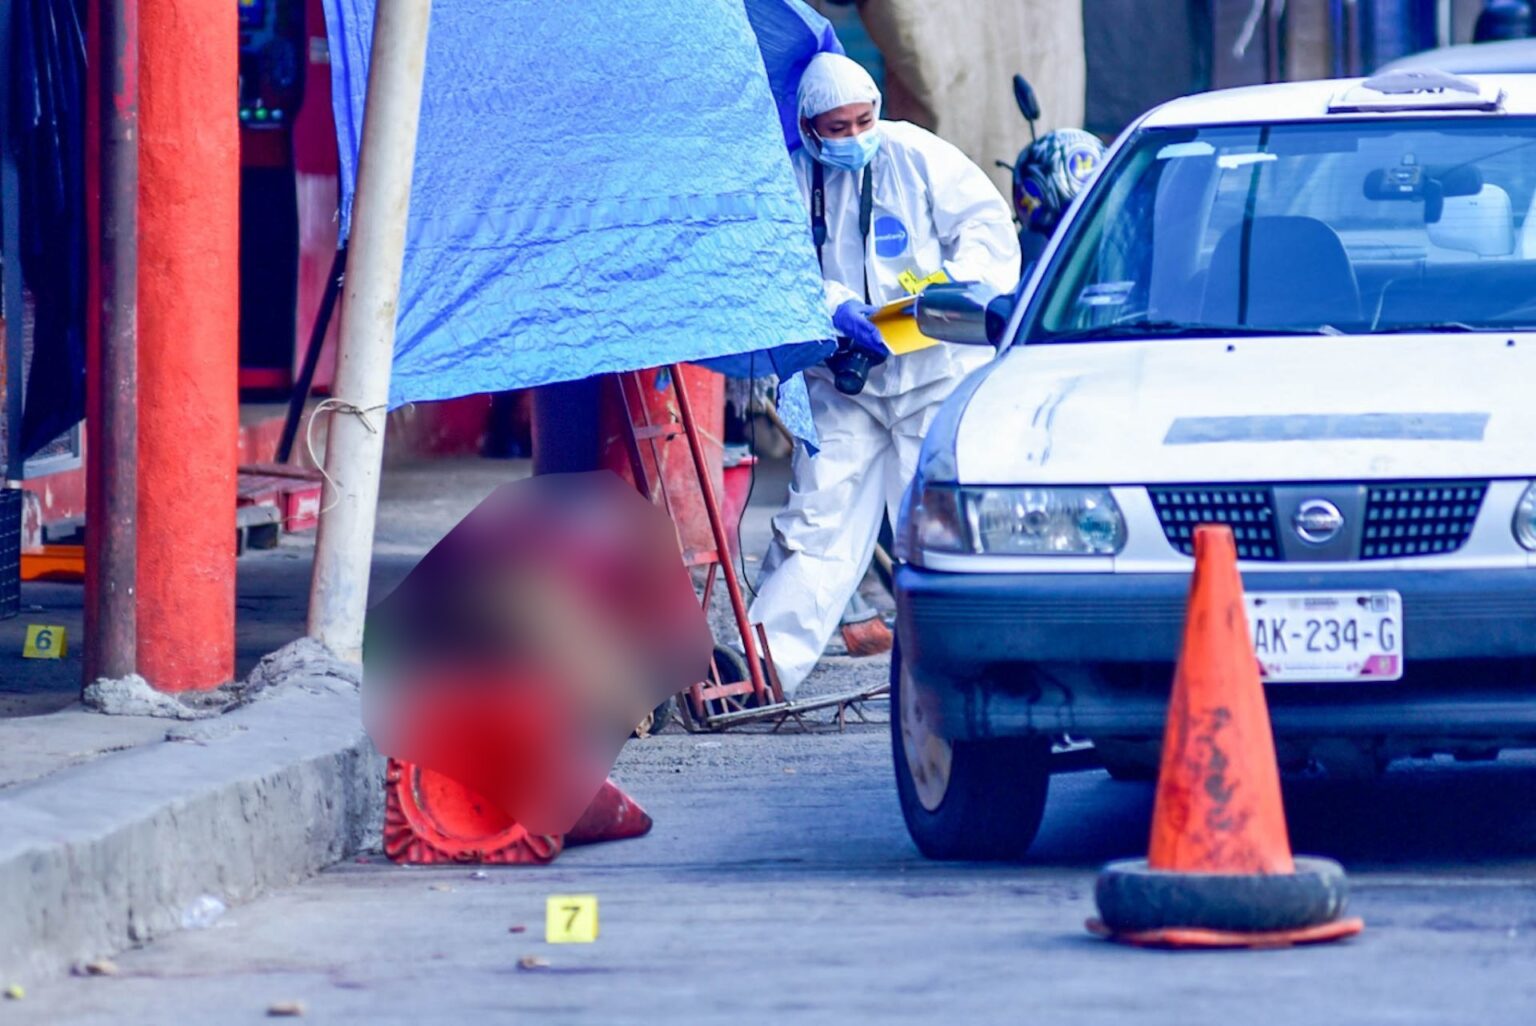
[(852, 153)]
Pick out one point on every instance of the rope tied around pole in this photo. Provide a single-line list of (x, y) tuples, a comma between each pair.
[(334, 405)]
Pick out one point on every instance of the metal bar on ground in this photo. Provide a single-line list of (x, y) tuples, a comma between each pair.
[(784, 709), (355, 440), (317, 334)]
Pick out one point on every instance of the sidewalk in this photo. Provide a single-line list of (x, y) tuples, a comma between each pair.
[(119, 829)]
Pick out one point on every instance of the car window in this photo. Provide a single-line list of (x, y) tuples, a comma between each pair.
[(1345, 227)]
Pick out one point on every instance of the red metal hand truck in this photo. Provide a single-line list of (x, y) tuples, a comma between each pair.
[(733, 693)]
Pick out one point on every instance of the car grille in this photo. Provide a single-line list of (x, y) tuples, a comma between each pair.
[(1402, 519), (1431, 518), (1249, 511)]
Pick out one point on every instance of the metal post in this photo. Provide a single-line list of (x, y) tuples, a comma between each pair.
[(354, 449), (1353, 55), (114, 440), (1336, 37), (566, 437), (1272, 15), (317, 335)]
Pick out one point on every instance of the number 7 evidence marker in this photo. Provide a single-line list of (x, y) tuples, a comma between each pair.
[(570, 919)]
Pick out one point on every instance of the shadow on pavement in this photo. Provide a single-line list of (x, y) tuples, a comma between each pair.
[(1420, 814)]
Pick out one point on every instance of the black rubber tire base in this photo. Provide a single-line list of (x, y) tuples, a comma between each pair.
[(1133, 898)]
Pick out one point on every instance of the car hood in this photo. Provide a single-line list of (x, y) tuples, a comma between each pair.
[(1281, 409)]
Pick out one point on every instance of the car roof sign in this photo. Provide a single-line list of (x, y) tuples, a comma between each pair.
[(1413, 90)]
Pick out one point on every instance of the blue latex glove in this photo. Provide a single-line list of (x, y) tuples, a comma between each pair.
[(852, 322)]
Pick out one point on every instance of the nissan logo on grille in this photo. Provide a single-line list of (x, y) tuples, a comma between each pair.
[(1318, 521)]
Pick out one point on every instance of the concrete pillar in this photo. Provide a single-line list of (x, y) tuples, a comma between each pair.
[(189, 217)]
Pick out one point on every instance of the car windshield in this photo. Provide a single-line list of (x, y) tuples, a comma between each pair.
[(1359, 226)]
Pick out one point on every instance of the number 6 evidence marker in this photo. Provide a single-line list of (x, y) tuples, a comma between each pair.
[(45, 641)]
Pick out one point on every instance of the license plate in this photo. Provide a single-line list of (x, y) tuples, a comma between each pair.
[(1327, 636)]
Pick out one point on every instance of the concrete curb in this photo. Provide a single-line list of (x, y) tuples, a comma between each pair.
[(110, 854)]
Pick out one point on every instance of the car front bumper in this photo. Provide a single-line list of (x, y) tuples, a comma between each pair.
[(1092, 654)]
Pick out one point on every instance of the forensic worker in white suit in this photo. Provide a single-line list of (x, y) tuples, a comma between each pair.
[(925, 208)]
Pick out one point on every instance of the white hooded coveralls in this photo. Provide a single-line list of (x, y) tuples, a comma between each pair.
[(933, 210)]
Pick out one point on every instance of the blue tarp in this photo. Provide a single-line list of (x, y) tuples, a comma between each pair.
[(789, 34), (600, 185)]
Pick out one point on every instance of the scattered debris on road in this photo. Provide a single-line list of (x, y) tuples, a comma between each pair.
[(202, 913)]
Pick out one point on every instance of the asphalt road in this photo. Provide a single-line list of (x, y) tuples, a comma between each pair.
[(779, 885)]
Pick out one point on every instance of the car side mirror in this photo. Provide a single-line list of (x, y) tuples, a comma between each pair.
[(966, 313), (999, 313)]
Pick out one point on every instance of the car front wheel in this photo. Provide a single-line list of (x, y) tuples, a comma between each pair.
[(964, 800)]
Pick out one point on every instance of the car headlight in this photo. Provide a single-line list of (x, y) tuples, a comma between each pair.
[(1525, 519), (1018, 521)]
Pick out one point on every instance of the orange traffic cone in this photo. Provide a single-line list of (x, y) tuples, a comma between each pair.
[(612, 816), (1219, 871), (431, 818)]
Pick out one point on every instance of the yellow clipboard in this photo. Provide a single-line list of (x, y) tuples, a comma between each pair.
[(898, 327)]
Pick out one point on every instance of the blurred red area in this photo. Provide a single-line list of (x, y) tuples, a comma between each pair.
[(521, 651)]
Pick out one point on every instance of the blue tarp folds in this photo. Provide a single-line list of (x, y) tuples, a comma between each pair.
[(600, 185)]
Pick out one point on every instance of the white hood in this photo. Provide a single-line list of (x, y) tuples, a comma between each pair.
[(1284, 409), (831, 81)]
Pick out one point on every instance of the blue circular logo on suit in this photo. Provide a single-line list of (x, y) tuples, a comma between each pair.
[(890, 237)]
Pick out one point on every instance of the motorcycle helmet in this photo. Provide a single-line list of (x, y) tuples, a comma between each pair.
[(1503, 19), (1050, 173)]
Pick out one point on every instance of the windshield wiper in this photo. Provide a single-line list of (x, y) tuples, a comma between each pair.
[(1179, 329)]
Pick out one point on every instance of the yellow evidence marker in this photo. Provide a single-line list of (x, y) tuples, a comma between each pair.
[(570, 919), (45, 642), (896, 320)]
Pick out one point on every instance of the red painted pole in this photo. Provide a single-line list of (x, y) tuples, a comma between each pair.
[(189, 216), (111, 636)]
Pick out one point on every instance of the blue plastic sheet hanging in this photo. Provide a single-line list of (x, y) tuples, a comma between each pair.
[(600, 185)]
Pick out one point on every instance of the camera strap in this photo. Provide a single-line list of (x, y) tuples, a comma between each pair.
[(819, 214)]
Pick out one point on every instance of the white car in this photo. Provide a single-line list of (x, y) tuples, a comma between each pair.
[(1307, 311)]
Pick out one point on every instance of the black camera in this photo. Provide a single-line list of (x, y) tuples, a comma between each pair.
[(850, 367)]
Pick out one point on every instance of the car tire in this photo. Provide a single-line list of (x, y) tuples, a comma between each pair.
[(988, 805)]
